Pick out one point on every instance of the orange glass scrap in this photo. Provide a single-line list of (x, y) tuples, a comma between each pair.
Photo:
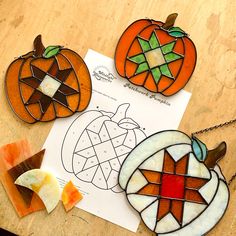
[(70, 196), (15, 159)]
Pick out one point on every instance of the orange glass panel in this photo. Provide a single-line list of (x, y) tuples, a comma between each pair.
[(63, 62), (13, 92), (62, 111), (72, 81), (181, 166), (134, 49), (73, 101), (150, 84), (150, 189), (164, 208), (26, 91), (152, 176), (177, 210), (139, 79), (164, 37), (193, 196), (42, 63), (50, 114), (187, 68), (83, 77), (125, 41), (26, 69), (146, 32), (164, 83), (175, 67), (169, 164), (35, 111), (131, 68), (195, 183)]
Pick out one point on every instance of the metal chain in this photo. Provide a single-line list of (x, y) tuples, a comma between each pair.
[(213, 128), (232, 179)]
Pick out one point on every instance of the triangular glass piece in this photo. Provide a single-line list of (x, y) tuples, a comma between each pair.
[(33, 162)]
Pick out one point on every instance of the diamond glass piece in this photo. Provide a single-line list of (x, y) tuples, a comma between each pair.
[(49, 86), (155, 58)]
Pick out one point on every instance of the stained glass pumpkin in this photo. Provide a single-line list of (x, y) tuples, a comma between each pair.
[(47, 83), (96, 144), (156, 55), (168, 180)]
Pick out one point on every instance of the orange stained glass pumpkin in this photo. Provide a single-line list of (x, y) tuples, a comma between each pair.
[(47, 83), (156, 55)]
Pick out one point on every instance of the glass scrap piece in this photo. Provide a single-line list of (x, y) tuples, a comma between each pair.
[(164, 169), (156, 44), (30, 163), (44, 184), (48, 83), (16, 158), (70, 196)]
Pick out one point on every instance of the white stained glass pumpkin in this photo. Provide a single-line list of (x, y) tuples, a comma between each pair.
[(174, 192)]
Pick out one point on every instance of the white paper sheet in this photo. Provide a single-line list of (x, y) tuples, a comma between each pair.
[(88, 148)]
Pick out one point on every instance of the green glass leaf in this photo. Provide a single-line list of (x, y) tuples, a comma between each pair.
[(138, 58), (156, 74), (165, 70), (144, 44), (176, 32), (171, 57), (176, 29), (153, 41), (168, 47), (199, 149), (51, 51), (142, 67)]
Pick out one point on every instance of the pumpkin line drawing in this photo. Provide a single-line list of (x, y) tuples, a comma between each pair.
[(96, 144)]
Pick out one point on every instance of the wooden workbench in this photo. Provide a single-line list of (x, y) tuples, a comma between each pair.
[(94, 24)]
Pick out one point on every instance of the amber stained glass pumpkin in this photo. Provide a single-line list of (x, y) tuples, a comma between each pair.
[(48, 83)]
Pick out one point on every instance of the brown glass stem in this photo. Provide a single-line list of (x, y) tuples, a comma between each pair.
[(213, 156), (38, 46), (170, 21)]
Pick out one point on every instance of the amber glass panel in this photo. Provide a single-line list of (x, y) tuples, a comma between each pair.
[(150, 189), (169, 164), (164, 208), (177, 210), (152, 176), (83, 77), (13, 93)]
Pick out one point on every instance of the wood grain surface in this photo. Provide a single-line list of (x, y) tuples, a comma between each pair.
[(94, 24)]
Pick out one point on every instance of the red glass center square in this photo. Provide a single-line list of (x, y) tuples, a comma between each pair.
[(172, 186)]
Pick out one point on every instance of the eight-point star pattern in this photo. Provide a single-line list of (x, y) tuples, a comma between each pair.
[(49, 86)]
